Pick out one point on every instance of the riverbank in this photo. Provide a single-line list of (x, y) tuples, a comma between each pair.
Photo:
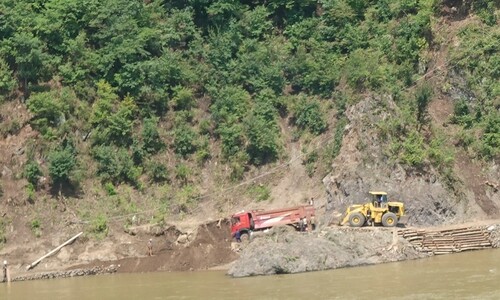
[(281, 250)]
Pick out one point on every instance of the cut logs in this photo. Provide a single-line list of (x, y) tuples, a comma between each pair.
[(448, 240)]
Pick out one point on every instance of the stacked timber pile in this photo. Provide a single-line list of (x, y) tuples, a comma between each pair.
[(448, 240)]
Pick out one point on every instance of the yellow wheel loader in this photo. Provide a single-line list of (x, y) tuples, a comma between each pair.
[(379, 211)]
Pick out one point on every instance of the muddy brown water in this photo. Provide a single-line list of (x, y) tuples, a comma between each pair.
[(471, 275)]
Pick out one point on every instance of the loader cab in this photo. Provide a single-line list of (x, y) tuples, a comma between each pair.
[(379, 199)]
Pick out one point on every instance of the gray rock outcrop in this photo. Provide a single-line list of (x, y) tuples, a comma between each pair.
[(284, 251)]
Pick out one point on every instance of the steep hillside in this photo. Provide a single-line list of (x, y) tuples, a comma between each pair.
[(466, 189), (121, 118)]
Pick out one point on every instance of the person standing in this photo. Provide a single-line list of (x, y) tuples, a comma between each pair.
[(237, 236), (6, 275), (150, 247), (305, 223), (313, 223)]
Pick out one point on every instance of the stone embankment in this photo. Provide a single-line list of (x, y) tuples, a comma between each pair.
[(284, 251), (97, 270)]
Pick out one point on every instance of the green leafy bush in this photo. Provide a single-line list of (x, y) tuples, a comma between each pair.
[(316, 71), (184, 140), (110, 189), (363, 69), (7, 80), (32, 172), (115, 165), (183, 98), (263, 133), (30, 193), (423, 96), (120, 124), (232, 137), (48, 108), (413, 150), (259, 66), (310, 162), (158, 172), (61, 164), (151, 136), (99, 226), (490, 140), (259, 192), (203, 153), (440, 154), (36, 227), (230, 105), (182, 173), (308, 115)]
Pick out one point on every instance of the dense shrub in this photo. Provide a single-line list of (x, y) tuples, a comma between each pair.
[(151, 136), (7, 80), (413, 150), (115, 165), (183, 98), (263, 133), (32, 172), (61, 164), (158, 172), (308, 115), (422, 98), (232, 138), (230, 105), (48, 109), (184, 142)]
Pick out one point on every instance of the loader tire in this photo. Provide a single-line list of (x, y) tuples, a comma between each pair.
[(389, 219), (356, 219)]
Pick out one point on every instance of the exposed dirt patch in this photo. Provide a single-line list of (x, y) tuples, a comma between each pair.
[(472, 173)]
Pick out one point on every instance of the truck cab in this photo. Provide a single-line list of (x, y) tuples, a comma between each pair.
[(241, 222)]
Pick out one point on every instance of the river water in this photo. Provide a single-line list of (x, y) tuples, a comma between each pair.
[(470, 275)]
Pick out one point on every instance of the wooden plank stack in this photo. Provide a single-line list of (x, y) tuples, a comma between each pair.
[(447, 240)]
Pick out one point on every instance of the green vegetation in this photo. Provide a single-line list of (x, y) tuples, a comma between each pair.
[(99, 226), (259, 192), (3, 231), (32, 172), (126, 90), (36, 227), (62, 162), (477, 60)]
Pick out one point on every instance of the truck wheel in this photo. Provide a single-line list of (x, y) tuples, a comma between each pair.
[(356, 219), (245, 237), (389, 219)]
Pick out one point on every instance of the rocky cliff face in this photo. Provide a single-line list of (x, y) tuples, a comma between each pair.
[(362, 166)]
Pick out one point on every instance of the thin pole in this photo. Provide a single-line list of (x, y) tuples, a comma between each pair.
[(53, 251)]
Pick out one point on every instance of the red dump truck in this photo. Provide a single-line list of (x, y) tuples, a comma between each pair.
[(243, 223)]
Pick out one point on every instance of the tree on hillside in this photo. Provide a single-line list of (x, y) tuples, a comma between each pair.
[(62, 162), (423, 96)]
